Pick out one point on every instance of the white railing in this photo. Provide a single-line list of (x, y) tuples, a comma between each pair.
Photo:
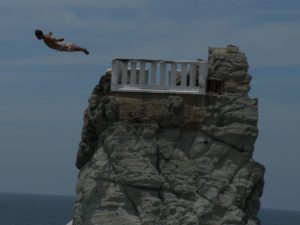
[(161, 76)]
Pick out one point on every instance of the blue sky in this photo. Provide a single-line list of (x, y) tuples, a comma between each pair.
[(43, 93)]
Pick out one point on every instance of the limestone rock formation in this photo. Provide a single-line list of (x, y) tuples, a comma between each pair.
[(154, 159)]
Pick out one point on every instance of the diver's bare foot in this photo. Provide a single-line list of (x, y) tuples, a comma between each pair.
[(86, 51)]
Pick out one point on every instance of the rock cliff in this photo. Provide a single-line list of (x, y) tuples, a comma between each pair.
[(162, 159)]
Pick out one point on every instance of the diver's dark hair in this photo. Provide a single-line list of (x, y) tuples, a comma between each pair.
[(38, 33)]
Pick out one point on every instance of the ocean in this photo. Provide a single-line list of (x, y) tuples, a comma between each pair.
[(26, 209), (279, 217)]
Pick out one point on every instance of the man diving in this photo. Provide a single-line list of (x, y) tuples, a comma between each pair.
[(58, 44)]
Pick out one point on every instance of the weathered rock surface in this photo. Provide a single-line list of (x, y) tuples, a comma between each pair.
[(230, 65), (153, 159)]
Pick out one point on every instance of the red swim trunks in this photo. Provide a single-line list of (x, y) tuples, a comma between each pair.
[(64, 46)]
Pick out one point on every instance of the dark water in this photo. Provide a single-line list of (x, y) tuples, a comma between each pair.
[(24, 209), (279, 217)]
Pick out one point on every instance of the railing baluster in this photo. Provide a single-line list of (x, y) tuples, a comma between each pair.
[(183, 75), (203, 71), (153, 73), (173, 74), (193, 75), (133, 73), (124, 72), (163, 74), (115, 73), (142, 73)]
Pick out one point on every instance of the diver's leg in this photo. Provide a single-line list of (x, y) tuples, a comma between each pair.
[(79, 49)]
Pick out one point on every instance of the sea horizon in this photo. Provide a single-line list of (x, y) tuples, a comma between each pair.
[(52, 209), (74, 196)]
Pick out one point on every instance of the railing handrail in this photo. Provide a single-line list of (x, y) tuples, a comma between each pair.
[(158, 60)]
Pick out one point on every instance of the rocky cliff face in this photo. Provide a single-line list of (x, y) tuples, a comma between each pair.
[(154, 159)]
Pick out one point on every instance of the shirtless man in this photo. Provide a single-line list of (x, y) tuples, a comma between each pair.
[(58, 44)]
